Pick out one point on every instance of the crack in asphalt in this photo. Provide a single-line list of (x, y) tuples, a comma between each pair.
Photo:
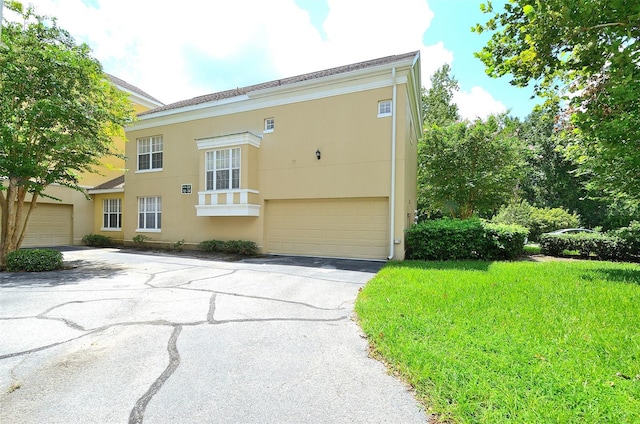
[(137, 413)]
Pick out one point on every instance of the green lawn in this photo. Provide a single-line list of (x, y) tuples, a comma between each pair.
[(491, 342)]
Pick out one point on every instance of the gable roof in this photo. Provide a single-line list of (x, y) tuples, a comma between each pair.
[(133, 89), (285, 81)]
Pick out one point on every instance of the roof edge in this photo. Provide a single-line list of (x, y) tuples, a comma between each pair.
[(176, 107)]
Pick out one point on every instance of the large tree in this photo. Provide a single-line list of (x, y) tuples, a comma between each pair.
[(58, 116), (467, 168), (588, 53)]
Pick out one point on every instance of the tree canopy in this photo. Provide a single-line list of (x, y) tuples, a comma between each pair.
[(587, 52), (58, 115), (467, 168)]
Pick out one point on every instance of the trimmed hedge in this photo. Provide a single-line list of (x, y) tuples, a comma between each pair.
[(97, 240), (240, 247), (34, 260), (504, 241), (602, 246), (454, 239)]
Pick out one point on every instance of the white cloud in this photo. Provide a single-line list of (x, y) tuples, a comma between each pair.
[(477, 103), (163, 47)]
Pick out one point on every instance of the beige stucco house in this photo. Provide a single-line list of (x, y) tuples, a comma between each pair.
[(322, 164)]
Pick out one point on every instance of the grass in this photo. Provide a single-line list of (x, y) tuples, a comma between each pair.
[(516, 342)]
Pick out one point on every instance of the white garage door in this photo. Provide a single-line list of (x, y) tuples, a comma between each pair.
[(345, 228), (51, 225)]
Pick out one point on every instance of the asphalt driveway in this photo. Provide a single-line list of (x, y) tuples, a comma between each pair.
[(128, 337)]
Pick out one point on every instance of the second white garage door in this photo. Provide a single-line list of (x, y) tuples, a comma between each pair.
[(345, 228)]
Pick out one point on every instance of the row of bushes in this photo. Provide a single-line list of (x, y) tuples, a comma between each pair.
[(537, 220), (239, 247), (454, 239), (621, 244)]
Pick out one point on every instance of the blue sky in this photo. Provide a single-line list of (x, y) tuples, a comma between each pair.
[(177, 50)]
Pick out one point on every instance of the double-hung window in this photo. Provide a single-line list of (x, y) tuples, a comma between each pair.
[(150, 153), (111, 214), (149, 213), (222, 169)]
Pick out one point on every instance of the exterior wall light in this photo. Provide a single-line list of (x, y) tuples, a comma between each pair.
[(318, 154)]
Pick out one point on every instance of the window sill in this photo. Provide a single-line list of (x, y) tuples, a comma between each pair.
[(110, 229), (384, 115), (144, 171), (267, 131), (148, 230)]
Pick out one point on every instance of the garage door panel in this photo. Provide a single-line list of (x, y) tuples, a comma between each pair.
[(50, 225), (352, 228)]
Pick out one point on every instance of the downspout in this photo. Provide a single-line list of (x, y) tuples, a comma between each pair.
[(392, 196)]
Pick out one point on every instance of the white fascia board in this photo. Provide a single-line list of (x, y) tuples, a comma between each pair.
[(229, 140), (277, 96), (227, 210), (106, 191), (139, 99)]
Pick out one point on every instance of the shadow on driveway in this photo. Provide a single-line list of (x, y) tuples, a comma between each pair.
[(73, 273)]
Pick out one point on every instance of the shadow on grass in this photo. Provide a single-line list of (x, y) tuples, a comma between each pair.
[(444, 265), (73, 273), (618, 275)]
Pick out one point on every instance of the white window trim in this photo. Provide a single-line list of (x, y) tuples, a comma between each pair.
[(230, 150), (273, 125), (385, 114), (150, 138), (148, 230), (110, 213)]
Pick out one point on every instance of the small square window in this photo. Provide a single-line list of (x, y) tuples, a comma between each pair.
[(269, 125), (384, 108)]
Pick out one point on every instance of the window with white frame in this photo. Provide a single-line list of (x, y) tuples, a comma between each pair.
[(150, 153), (149, 213), (112, 214), (384, 108), (222, 169), (269, 125)]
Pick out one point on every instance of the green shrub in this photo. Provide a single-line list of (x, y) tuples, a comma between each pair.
[(34, 260), (97, 240), (504, 241), (446, 239), (178, 246), (239, 247), (211, 245), (630, 236), (453, 239), (141, 239), (537, 220), (601, 246)]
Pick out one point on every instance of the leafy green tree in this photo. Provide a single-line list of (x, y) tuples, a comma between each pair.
[(587, 52), (553, 181), (437, 102), (468, 168), (58, 114), (438, 109)]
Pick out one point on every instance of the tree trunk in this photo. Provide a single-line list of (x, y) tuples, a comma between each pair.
[(13, 230)]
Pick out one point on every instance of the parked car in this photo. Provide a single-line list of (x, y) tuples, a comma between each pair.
[(571, 231)]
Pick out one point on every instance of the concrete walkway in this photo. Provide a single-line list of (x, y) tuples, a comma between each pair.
[(129, 337)]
